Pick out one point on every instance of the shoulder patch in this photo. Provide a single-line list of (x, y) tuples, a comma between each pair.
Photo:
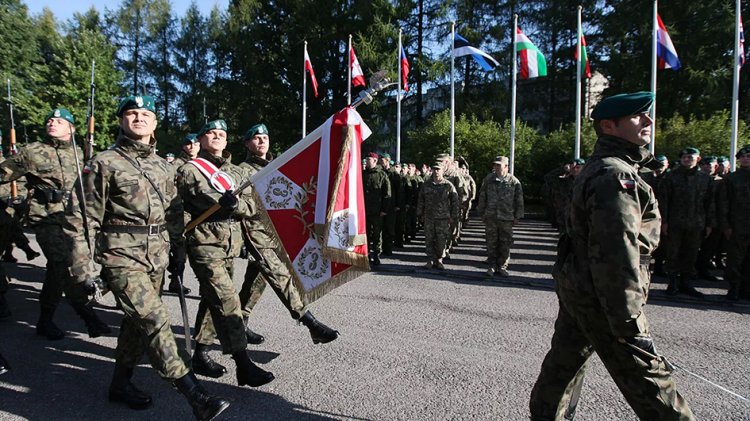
[(627, 184)]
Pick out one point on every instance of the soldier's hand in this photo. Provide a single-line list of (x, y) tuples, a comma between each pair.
[(92, 287), (228, 200)]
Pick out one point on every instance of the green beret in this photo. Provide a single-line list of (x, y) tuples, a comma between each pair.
[(661, 158), (190, 139), (708, 160), (745, 149), (213, 125), (256, 129), (578, 161), (689, 151), (136, 102), (60, 113), (623, 105), (722, 159), (385, 155), (170, 155)]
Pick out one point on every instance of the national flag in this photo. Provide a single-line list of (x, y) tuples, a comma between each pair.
[(533, 63), (665, 52), (309, 69), (462, 47), (358, 78), (585, 66), (742, 44), (404, 70), (317, 211)]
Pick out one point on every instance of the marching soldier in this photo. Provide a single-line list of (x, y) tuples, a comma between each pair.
[(133, 211), (51, 173), (377, 192), (500, 205), (451, 173), (439, 207), (212, 247), (602, 276), (734, 219)]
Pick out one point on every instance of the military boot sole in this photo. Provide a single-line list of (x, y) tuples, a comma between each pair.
[(255, 379), (324, 339), (215, 406), (254, 338)]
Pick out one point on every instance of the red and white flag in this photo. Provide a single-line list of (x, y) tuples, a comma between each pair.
[(358, 78), (317, 210), (309, 68)]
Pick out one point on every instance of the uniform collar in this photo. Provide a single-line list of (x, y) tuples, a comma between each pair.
[(251, 158), (216, 160), (135, 147), (612, 146), (57, 143)]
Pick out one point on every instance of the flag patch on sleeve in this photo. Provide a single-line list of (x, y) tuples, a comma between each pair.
[(627, 184)]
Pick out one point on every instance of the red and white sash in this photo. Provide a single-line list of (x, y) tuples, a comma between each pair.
[(218, 179)]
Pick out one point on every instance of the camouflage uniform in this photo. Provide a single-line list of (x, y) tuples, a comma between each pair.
[(437, 204), (134, 225), (181, 159), (734, 214), (500, 203), (710, 245), (391, 218), (602, 283), (410, 231), (377, 191), (472, 190), (660, 253), (561, 193), (211, 248), (462, 190)]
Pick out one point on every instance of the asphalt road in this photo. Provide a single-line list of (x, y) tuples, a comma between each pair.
[(415, 344)]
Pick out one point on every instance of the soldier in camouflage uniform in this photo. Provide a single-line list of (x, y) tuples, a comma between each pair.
[(438, 205), (500, 204), (189, 150), (411, 207), (472, 190), (212, 247), (734, 221), (602, 276), (377, 192), (563, 191), (394, 208), (724, 166), (710, 244), (133, 211), (51, 173), (266, 255), (653, 173), (686, 203), (550, 183), (452, 174)]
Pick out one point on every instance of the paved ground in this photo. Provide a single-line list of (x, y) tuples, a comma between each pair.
[(415, 345)]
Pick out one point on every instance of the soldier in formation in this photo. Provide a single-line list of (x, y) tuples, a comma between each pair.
[(561, 192), (377, 192), (500, 204), (189, 150), (602, 275), (438, 206), (653, 174), (711, 243), (397, 203), (734, 222)]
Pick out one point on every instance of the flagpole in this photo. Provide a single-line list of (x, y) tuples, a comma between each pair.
[(349, 73), (655, 26), (735, 89), (304, 93), (398, 100), (513, 99), (453, 90), (577, 152)]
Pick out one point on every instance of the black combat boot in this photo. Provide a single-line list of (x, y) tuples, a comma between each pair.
[(204, 365), (205, 406), (320, 333), (46, 327), (4, 366), (123, 391), (94, 324), (174, 286), (252, 337), (672, 288), (248, 373), (686, 287)]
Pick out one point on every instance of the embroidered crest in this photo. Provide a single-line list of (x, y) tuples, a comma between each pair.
[(56, 113), (139, 101)]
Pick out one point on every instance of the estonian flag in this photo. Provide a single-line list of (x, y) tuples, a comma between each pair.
[(461, 47)]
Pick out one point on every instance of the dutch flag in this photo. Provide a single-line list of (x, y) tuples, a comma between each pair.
[(665, 53)]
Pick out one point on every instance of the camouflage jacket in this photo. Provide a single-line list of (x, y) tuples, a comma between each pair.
[(734, 201), (255, 227), (398, 189), (562, 191), (462, 188), (438, 200), (51, 174), (221, 232), (118, 193), (613, 227), (686, 199), (500, 198), (377, 190), (181, 160)]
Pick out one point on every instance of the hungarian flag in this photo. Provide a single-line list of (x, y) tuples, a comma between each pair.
[(313, 198), (666, 55), (585, 66), (309, 69), (358, 78), (532, 60), (404, 70)]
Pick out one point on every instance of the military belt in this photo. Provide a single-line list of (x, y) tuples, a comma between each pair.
[(154, 229)]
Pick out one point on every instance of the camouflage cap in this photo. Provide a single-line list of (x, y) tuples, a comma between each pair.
[(190, 138), (745, 149), (689, 151), (135, 102), (256, 129), (661, 158), (212, 125), (503, 160), (623, 105), (60, 113)]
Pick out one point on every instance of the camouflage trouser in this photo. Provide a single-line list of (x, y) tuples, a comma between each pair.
[(682, 251), (219, 301), (273, 270), (709, 248), (57, 247), (455, 232), (411, 222), (437, 234), (581, 330), (374, 233), (737, 272), (389, 231), (499, 237), (146, 326), (398, 239)]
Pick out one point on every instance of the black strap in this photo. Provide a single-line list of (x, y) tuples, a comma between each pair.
[(143, 173)]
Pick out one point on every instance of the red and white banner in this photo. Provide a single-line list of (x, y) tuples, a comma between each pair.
[(313, 198), (309, 68), (358, 78)]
